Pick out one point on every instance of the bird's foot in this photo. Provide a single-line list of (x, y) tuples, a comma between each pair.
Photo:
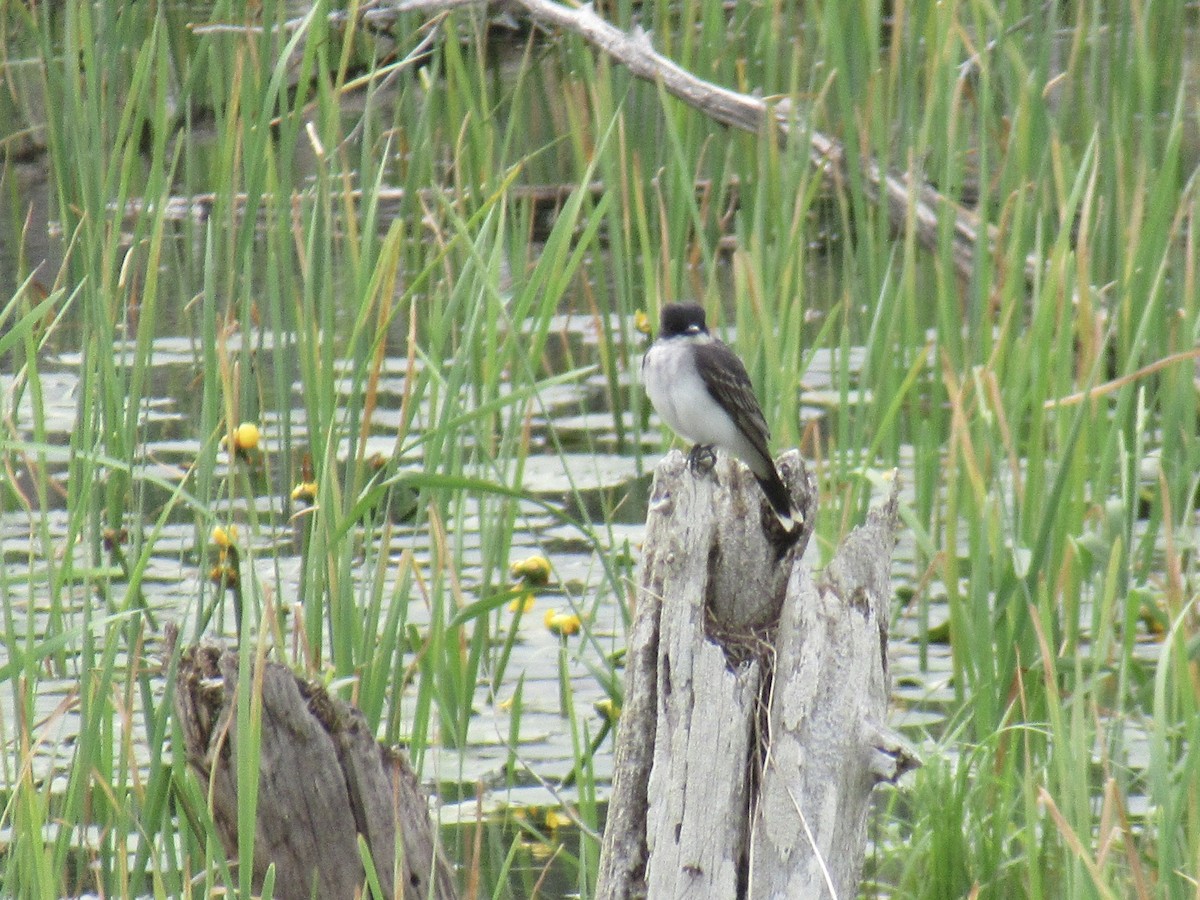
[(701, 459)]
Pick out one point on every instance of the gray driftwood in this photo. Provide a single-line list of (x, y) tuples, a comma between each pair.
[(752, 732), (323, 782)]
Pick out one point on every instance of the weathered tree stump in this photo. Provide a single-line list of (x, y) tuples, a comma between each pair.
[(755, 698), (323, 782)]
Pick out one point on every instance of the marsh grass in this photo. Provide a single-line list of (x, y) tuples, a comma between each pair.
[(1053, 544)]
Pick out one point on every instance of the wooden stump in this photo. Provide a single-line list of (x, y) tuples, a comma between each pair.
[(755, 698), (323, 782)]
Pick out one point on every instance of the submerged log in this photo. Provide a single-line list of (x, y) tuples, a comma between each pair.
[(324, 783), (755, 698)]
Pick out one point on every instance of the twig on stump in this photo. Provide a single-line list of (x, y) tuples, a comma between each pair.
[(754, 700), (323, 782)]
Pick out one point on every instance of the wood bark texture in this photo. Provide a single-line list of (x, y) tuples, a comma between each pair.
[(827, 721), (754, 698), (323, 782)]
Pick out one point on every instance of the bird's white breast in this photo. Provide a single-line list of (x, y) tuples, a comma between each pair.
[(681, 399)]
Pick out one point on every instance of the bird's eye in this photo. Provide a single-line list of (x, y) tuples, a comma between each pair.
[(693, 328)]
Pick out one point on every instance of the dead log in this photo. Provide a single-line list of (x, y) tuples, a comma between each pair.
[(755, 697), (324, 781)]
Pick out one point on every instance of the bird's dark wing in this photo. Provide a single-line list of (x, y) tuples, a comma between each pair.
[(727, 381)]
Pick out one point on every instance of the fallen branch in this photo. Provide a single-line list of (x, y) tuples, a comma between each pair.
[(899, 194)]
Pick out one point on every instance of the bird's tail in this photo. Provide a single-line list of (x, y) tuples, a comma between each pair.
[(779, 498)]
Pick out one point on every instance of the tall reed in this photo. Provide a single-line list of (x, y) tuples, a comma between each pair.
[(367, 281)]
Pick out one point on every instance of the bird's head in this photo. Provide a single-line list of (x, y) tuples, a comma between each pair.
[(682, 319)]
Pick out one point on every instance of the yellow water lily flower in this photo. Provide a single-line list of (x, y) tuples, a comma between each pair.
[(305, 492), (562, 623), (534, 570), (225, 574), (224, 537), (244, 439), (608, 710)]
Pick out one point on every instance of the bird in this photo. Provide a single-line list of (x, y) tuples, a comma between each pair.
[(700, 388)]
